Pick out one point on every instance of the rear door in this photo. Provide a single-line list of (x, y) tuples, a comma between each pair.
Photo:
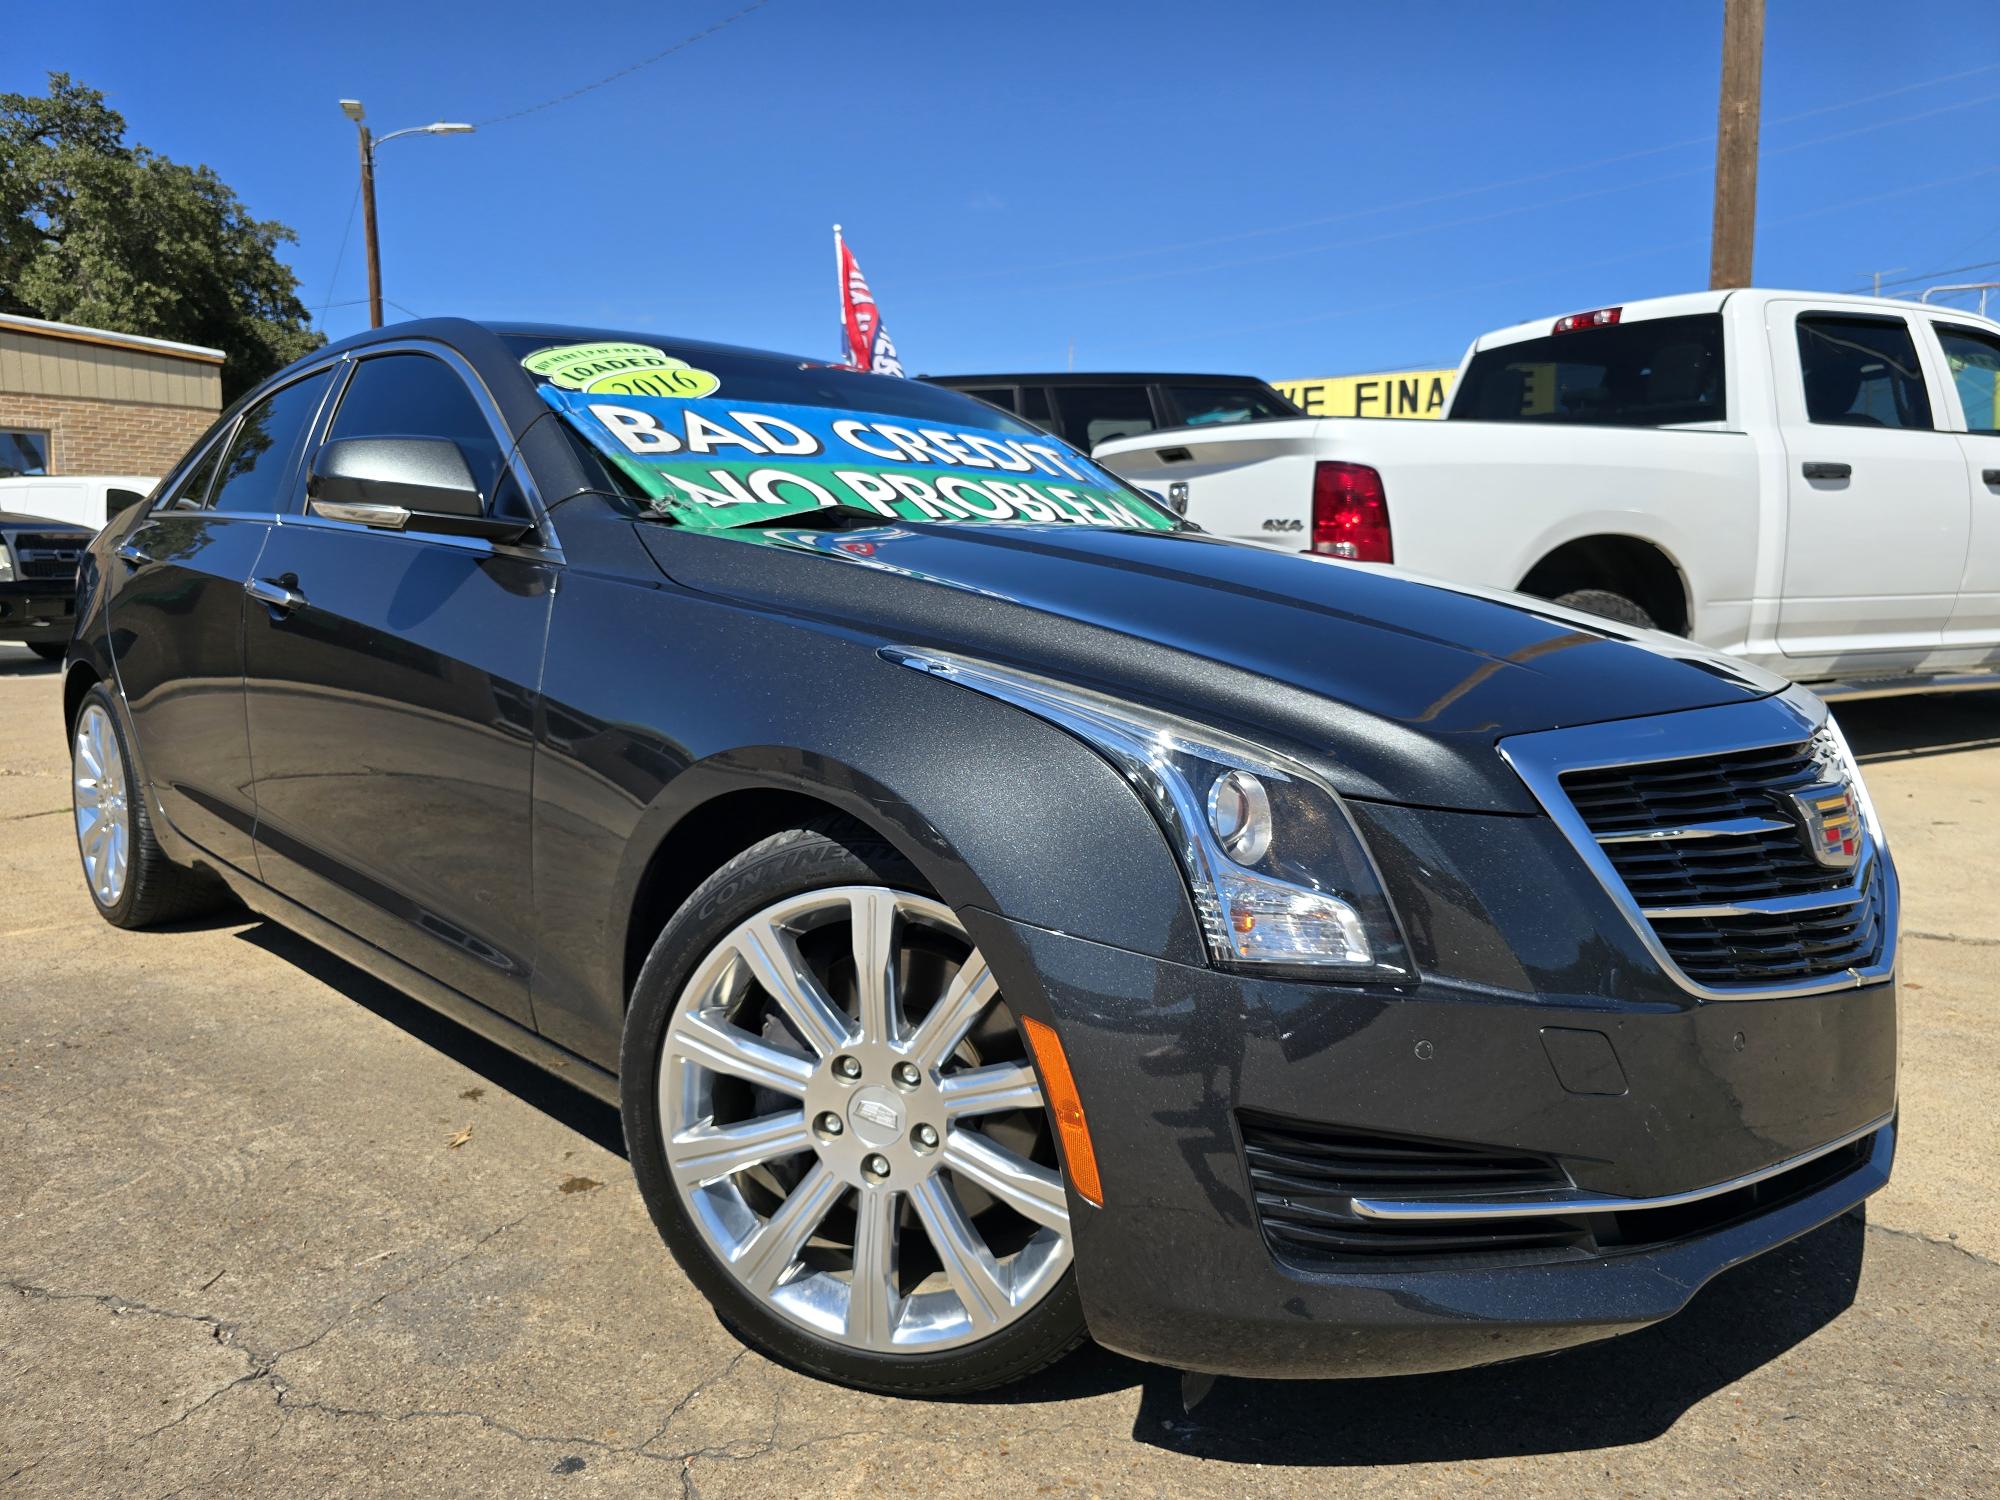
[(1972, 359), (1877, 513), (391, 707), (177, 617)]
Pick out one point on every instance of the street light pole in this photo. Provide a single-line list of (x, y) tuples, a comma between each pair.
[(368, 226), (352, 109)]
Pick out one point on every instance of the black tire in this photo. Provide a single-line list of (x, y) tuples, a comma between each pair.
[(1609, 605), (156, 890), (835, 852), (49, 650)]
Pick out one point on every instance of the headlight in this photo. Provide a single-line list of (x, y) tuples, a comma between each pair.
[(6, 564), (1277, 871)]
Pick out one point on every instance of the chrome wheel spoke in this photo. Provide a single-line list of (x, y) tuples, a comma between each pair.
[(708, 1154), (97, 789), (971, 990), (872, 1303), (773, 960), (877, 1004), (773, 1249), (706, 1038), (1034, 1192), (868, 1118), (988, 1090), (968, 1264)]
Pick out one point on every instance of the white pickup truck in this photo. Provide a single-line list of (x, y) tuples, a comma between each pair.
[(1809, 481)]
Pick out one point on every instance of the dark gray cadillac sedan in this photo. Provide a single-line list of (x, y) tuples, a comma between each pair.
[(1003, 914)]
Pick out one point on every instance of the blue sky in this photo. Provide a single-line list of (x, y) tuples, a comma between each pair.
[(1289, 190)]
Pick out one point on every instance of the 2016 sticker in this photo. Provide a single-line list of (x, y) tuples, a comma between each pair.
[(613, 369)]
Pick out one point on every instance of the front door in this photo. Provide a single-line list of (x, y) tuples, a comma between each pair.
[(1876, 505), (391, 709), (1972, 357), (177, 619)]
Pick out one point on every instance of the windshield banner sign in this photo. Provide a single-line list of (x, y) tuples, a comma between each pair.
[(715, 464)]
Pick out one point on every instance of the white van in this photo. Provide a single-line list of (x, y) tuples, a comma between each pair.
[(82, 499)]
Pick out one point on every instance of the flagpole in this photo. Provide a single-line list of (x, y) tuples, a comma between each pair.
[(840, 294)]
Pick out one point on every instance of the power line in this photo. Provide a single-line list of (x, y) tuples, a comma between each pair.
[(334, 279), (1928, 275), (1139, 252), (644, 62), (1169, 272), (1431, 296)]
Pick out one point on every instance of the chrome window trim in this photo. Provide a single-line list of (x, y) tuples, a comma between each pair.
[(549, 549), (1543, 758), (1552, 1205)]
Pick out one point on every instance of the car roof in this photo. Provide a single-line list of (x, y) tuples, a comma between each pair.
[(453, 331), (1092, 377)]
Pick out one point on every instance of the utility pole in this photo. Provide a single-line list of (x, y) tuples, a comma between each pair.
[(369, 141), (368, 227), (1733, 242)]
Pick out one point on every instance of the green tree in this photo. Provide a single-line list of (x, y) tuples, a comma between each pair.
[(111, 235)]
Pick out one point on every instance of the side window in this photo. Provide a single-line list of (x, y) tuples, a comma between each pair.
[(1097, 414), (1035, 407), (1974, 358), (192, 493), (1001, 396), (413, 395), (1862, 372), (118, 501), (254, 471)]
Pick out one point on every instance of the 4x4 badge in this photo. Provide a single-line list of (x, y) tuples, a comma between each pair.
[(1832, 821)]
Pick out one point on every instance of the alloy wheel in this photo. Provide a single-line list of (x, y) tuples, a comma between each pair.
[(103, 809), (855, 1129)]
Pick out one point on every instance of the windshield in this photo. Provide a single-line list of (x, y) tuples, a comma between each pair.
[(1207, 405), (1656, 372), (719, 440)]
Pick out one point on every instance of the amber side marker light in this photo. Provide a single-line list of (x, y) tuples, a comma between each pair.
[(1067, 1108)]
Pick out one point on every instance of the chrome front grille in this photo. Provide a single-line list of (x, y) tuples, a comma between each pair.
[(1693, 822)]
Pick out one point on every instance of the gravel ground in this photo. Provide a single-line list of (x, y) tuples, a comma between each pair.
[(241, 1257)]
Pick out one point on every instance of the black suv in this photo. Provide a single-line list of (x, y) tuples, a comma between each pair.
[(1087, 409)]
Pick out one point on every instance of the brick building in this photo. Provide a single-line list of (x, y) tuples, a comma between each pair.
[(84, 401)]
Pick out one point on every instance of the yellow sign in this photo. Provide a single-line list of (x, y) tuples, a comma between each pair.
[(1393, 393)]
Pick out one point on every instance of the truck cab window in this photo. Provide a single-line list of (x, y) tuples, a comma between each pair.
[(1862, 372)]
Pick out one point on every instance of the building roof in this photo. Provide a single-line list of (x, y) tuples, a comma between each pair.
[(41, 328)]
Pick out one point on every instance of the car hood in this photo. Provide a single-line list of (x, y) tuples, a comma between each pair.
[(1399, 686), (14, 520)]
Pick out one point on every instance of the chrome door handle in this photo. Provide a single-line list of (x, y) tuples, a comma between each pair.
[(274, 594), (1827, 471), (130, 552)]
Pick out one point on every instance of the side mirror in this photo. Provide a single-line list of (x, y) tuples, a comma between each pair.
[(404, 484)]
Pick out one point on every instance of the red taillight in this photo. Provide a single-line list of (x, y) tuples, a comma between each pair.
[(1603, 317), (1350, 513)]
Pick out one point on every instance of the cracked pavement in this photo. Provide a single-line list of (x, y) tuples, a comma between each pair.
[(238, 1255)]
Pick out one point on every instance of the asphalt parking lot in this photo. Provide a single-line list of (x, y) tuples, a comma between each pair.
[(267, 1228)]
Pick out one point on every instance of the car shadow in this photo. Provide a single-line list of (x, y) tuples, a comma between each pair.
[(1606, 1395), (25, 663), (1621, 1391), (1909, 728), (562, 1102)]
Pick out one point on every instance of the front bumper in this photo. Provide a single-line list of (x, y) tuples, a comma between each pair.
[(36, 611), (1176, 1266)]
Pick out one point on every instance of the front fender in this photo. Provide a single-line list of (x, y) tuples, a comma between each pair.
[(997, 809)]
